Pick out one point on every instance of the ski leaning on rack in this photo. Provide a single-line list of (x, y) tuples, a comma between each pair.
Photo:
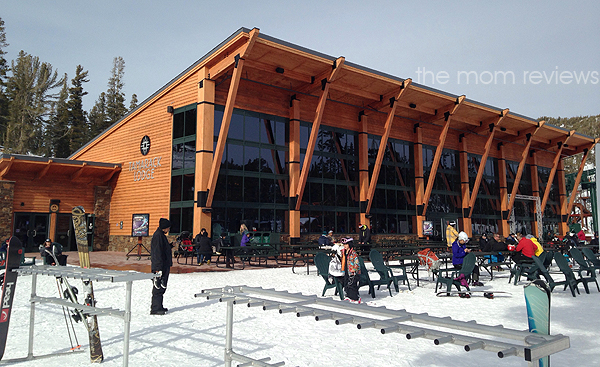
[(80, 227), (537, 300), (9, 281)]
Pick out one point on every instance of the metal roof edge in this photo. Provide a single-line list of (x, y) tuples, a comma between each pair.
[(35, 158)]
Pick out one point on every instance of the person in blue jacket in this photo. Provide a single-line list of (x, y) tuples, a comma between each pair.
[(459, 251)]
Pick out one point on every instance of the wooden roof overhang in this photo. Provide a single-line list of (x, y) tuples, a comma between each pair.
[(16, 166), (302, 71)]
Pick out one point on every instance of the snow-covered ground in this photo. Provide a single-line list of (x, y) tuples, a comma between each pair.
[(192, 333)]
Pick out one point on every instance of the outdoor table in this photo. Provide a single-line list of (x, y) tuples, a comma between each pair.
[(307, 253), (412, 266), (489, 267)]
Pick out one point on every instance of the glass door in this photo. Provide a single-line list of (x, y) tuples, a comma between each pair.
[(31, 229)]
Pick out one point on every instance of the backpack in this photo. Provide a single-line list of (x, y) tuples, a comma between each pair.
[(335, 267), (429, 258)]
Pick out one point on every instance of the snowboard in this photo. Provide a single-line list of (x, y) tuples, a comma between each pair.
[(537, 300), (80, 228), (12, 261), (487, 294)]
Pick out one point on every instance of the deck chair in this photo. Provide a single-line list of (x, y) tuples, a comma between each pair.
[(385, 272), (571, 283), (530, 269), (365, 280), (322, 262), (584, 267), (466, 270), (563, 265), (589, 254)]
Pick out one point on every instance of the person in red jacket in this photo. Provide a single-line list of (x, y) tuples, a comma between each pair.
[(525, 249)]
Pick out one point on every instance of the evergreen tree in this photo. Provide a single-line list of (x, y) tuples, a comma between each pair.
[(97, 116), (30, 100), (115, 98), (587, 125), (58, 127), (77, 117), (134, 102), (3, 72)]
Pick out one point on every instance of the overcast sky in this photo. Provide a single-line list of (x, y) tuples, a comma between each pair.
[(538, 58)]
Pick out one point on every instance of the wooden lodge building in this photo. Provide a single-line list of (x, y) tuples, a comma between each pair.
[(293, 141)]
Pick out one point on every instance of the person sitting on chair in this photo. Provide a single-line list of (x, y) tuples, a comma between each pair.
[(48, 248), (525, 250), (459, 251)]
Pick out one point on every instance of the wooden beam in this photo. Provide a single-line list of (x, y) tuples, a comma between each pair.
[(220, 147), (338, 148), (79, 172), (110, 175), (317, 80), (579, 174), (226, 63), (7, 168), (558, 143), (487, 125), (383, 145), (441, 112), (314, 133), (523, 135), (45, 170), (557, 158), (524, 155), (438, 152), (488, 145), (273, 69), (409, 196)]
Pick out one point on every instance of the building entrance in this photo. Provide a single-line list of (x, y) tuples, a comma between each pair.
[(31, 229)]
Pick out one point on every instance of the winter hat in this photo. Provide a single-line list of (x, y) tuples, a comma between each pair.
[(164, 223), (349, 241), (48, 240), (462, 236)]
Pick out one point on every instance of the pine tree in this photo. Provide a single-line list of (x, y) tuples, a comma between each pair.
[(97, 116), (134, 102), (3, 72), (80, 133), (58, 127), (115, 98), (30, 100)]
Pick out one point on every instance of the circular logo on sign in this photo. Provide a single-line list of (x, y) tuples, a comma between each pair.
[(54, 208), (145, 145)]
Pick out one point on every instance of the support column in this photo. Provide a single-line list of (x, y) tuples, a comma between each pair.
[(563, 226), (466, 223), (205, 125), (363, 169), (7, 193), (294, 167), (419, 181), (503, 226), (535, 189)]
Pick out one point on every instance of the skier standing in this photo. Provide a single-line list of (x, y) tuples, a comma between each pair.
[(162, 260)]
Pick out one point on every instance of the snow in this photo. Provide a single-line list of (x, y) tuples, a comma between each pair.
[(192, 333)]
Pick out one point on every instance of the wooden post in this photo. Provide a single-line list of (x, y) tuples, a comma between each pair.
[(503, 227), (419, 181), (463, 158), (363, 169), (205, 126), (563, 225), (294, 167), (535, 189)]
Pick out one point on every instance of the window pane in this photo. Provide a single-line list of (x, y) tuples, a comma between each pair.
[(178, 125), (221, 189), (235, 156), (251, 159), (190, 122), (234, 188), (188, 187), (175, 218), (251, 191), (177, 157), (236, 127), (268, 190), (267, 131), (189, 154), (176, 188), (187, 219), (218, 120), (252, 128)]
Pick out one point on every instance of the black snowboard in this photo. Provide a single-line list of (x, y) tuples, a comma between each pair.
[(12, 261), (80, 227)]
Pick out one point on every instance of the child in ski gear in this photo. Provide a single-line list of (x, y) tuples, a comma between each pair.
[(162, 260), (351, 267), (459, 251)]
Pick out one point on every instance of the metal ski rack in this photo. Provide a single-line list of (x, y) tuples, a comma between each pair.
[(93, 274), (468, 334)]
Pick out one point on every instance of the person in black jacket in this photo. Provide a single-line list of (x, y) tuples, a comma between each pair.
[(594, 243), (484, 242), (364, 238), (204, 248), (162, 260)]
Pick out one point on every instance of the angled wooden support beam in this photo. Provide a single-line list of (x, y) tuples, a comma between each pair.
[(45, 170), (383, 144), (314, 133), (489, 124), (79, 172), (325, 76), (488, 145), (526, 135), (6, 169), (557, 159), (441, 113), (220, 147), (586, 153), (225, 64), (110, 175), (409, 196), (524, 156), (438, 152), (338, 147)]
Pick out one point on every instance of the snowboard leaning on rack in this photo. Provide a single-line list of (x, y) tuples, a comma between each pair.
[(80, 227), (9, 281), (537, 300)]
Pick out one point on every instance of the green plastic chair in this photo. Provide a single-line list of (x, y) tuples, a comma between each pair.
[(386, 275), (530, 269), (553, 283), (365, 280), (322, 262), (589, 254), (584, 267), (466, 270), (563, 265)]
